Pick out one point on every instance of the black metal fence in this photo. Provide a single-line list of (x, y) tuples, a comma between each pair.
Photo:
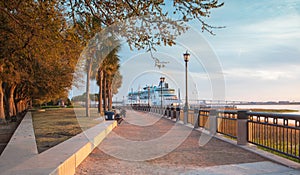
[(227, 123), (276, 132), (204, 118)]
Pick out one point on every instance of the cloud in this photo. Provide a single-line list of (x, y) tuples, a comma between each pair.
[(266, 42), (258, 52), (259, 74), (282, 27), (256, 84)]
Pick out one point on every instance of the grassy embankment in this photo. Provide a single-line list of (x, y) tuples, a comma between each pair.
[(285, 144), (54, 126)]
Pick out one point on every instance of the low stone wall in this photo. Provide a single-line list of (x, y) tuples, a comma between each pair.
[(21, 156), (21, 146)]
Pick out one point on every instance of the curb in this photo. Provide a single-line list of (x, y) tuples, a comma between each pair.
[(94, 139), (253, 148), (249, 147), (21, 146), (61, 159)]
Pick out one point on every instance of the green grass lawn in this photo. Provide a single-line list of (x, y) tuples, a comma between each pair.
[(54, 126)]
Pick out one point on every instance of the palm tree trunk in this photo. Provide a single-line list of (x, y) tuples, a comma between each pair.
[(104, 92), (100, 107), (2, 114), (87, 99), (109, 91)]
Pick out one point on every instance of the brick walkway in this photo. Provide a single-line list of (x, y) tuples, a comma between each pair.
[(144, 128)]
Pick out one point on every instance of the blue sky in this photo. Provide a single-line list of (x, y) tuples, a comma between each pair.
[(255, 58), (259, 49)]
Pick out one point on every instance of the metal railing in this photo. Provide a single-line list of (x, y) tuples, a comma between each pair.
[(190, 117), (276, 132), (204, 118), (227, 123)]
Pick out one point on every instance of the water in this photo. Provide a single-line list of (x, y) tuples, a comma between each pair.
[(292, 107)]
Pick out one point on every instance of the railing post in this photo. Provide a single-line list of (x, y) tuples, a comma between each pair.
[(166, 112), (185, 115), (173, 113), (177, 114), (242, 129), (199, 118), (196, 118), (213, 121)]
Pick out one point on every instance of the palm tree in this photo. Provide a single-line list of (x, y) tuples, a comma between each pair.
[(86, 29), (97, 50), (105, 76), (111, 71)]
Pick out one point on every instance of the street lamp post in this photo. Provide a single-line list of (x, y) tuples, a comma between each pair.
[(131, 96), (162, 79), (139, 95), (186, 57), (148, 96)]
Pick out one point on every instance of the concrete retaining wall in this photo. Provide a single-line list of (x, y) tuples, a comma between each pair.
[(21, 157)]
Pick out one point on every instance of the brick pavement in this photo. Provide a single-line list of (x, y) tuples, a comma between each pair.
[(141, 127)]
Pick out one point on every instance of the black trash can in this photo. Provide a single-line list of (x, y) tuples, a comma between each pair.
[(109, 115)]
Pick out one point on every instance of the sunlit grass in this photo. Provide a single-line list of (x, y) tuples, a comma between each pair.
[(279, 154), (57, 125)]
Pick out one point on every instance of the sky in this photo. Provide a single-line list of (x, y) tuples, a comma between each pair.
[(256, 57), (259, 49)]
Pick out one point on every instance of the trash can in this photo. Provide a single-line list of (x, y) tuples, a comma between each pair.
[(173, 112), (109, 115)]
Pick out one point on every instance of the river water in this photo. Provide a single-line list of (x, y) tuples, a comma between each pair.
[(292, 107)]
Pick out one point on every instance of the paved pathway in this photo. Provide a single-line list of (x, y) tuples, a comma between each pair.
[(148, 144)]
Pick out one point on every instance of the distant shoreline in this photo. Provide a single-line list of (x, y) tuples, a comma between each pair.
[(272, 110)]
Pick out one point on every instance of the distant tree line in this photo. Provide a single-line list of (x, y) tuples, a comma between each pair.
[(41, 41)]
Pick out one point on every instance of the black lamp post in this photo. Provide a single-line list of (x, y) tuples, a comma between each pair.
[(162, 79), (139, 95), (148, 95), (131, 96), (186, 57)]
